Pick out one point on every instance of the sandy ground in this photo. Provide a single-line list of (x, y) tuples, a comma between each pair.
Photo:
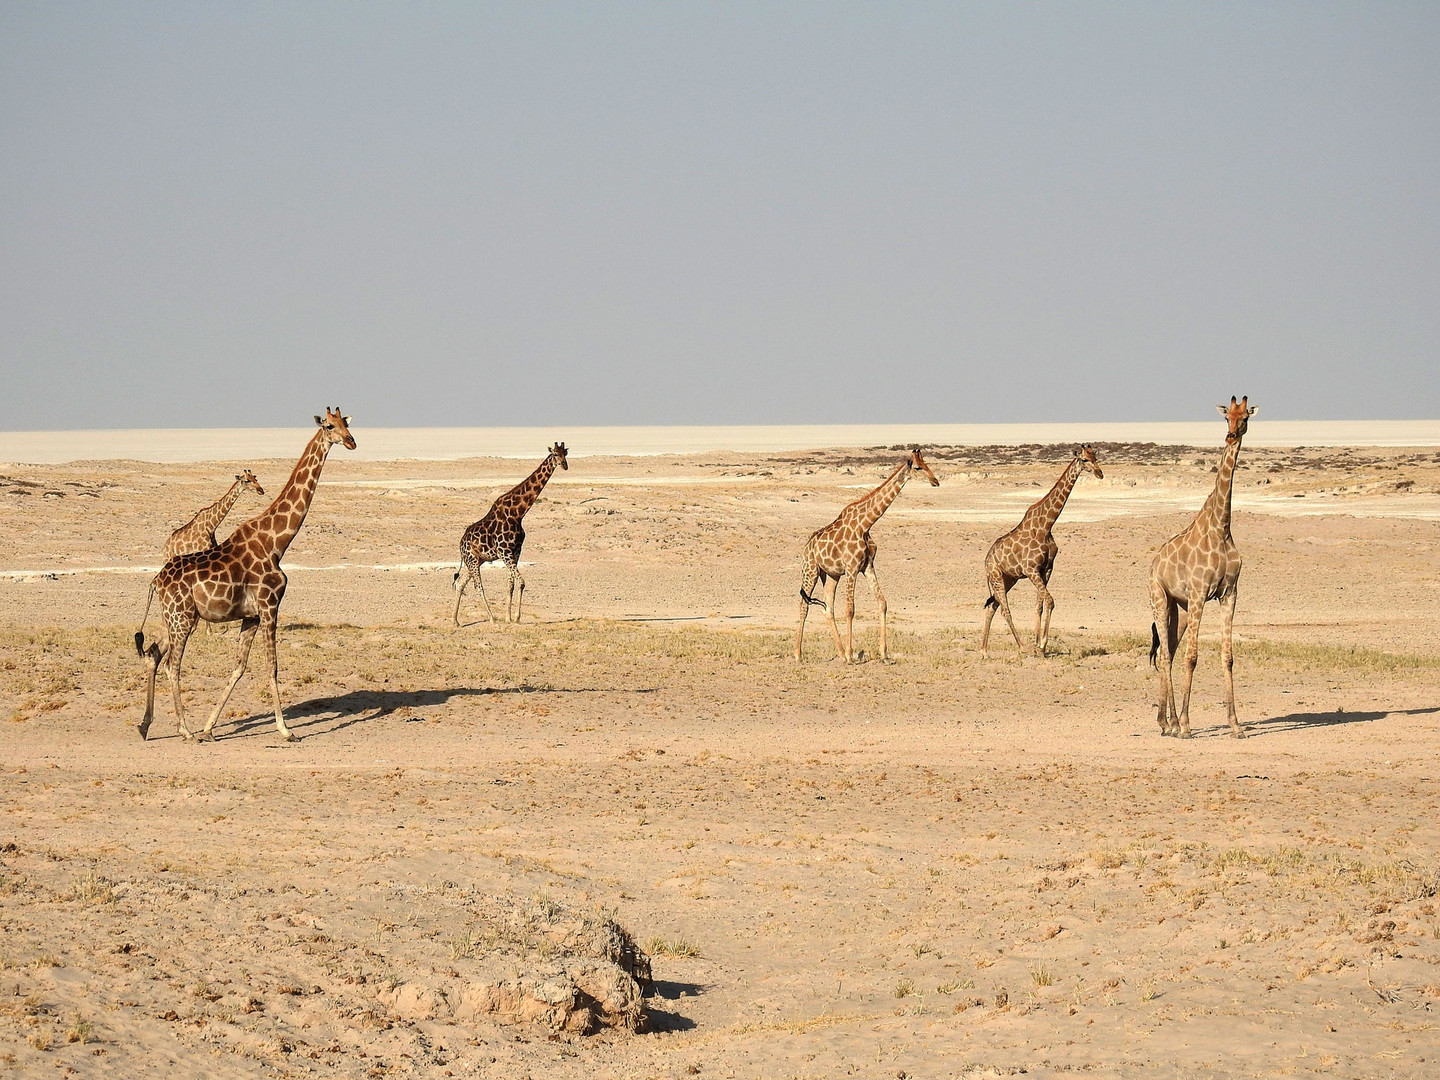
[(945, 866)]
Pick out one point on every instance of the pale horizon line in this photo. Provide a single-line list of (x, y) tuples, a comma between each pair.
[(192, 445)]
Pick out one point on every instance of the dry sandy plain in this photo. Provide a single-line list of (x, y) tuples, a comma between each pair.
[(944, 866)]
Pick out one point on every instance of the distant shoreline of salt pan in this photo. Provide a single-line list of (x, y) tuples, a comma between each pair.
[(182, 445)]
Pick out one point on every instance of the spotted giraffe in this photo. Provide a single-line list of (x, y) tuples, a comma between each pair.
[(499, 536), (1028, 551), (198, 533), (1197, 565), (844, 549), (240, 578)]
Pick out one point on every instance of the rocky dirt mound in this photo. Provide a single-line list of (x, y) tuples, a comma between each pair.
[(537, 962)]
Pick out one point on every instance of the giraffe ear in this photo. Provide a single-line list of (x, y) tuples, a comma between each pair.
[(1223, 410), (347, 420), (1253, 409), (318, 421)]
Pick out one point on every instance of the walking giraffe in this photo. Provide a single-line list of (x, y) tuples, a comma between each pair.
[(1197, 565), (844, 549), (1028, 551), (240, 578), (198, 533), (499, 536)]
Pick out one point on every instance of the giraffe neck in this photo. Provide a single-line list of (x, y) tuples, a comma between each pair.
[(1215, 515), (528, 490), (209, 519), (1048, 508), (278, 524), (869, 509)]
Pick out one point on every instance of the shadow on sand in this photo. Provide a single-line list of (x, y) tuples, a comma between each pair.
[(663, 1019), (1303, 721), (327, 715)]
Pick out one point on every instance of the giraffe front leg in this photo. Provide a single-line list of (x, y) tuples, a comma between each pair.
[(1227, 658), (267, 632), (874, 580), (247, 637), (1192, 657)]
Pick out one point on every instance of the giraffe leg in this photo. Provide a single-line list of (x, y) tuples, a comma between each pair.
[(462, 579), (480, 584), (1049, 602), (849, 618), (831, 584), (515, 579), (267, 633), (874, 580), (154, 657), (1044, 604), (1227, 657), (1162, 614), (1192, 657), (180, 631), (1002, 598), (807, 589), (247, 637)]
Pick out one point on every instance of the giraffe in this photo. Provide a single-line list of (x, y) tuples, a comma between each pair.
[(844, 549), (1028, 551), (499, 535), (241, 579), (198, 533), (1197, 565)]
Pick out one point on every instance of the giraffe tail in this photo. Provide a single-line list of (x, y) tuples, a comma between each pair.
[(140, 634), (990, 602), (810, 599), (1154, 644)]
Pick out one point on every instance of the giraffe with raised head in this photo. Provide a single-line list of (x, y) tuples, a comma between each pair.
[(844, 549), (1197, 565), (499, 536), (240, 578), (1028, 551)]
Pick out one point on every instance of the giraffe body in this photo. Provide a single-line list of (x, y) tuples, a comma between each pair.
[(500, 534), (1191, 568), (1028, 551), (240, 578), (198, 533), (844, 549)]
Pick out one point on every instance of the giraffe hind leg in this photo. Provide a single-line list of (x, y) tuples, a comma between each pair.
[(1001, 595), (247, 637), (807, 590), (480, 584)]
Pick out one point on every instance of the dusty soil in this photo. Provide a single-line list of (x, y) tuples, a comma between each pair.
[(950, 865)]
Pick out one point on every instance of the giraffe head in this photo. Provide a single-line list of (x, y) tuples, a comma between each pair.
[(558, 452), (247, 480), (917, 464), (1237, 414), (1086, 453), (336, 428)]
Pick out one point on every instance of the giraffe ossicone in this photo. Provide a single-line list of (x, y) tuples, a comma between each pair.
[(844, 549), (1028, 551), (499, 536), (1195, 566), (240, 578)]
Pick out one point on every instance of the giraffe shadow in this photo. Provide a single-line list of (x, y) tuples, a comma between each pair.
[(333, 713), (1305, 721)]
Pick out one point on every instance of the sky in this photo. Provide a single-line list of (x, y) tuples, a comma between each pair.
[(465, 214)]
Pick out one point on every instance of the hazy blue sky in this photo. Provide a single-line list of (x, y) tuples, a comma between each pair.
[(234, 214)]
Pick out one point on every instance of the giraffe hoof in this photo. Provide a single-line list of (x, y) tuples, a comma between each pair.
[(204, 736), (290, 736), (144, 730)]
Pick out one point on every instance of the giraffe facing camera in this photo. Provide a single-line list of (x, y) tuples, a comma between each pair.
[(1191, 568)]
